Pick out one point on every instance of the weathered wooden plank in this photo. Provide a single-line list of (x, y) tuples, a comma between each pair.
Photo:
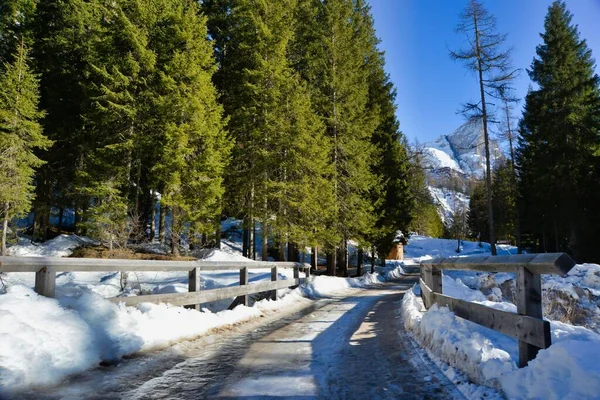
[(436, 280), (34, 264), (274, 278), (425, 293), (194, 285), (545, 263), (45, 281), (206, 296), (521, 327), (529, 302)]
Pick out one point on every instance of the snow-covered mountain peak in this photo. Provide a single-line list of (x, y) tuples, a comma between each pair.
[(462, 151)]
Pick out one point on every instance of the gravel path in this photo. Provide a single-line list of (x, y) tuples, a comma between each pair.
[(347, 347)]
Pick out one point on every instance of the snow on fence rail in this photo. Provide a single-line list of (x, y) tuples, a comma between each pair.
[(45, 269), (528, 326)]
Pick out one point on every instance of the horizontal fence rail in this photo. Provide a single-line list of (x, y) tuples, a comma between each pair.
[(45, 269), (527, 326)]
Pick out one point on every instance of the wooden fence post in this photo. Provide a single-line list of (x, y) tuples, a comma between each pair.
[(274, 278), (436, 280), (529, 302), (194, 285), (45, 282), (244, 281)]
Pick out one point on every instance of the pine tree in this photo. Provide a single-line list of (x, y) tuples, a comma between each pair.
[(330, 52), (505, 206), (20, 135), (15, 26), (62, 38), (484, 56), (195, 147), (558, 149), (279, 168)]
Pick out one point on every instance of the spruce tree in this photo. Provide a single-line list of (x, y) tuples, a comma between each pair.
[(195, 147), (62, 42), (330, 52), (15, 26), (279, 168), (20, 136), (558, 149)]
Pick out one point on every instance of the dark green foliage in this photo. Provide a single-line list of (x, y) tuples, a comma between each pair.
[(139, 95), (16, 17), (558, 149), (20, 135), (505, 209)]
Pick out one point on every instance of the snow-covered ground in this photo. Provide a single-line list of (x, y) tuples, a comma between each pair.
[(43, 340), (569, 369)]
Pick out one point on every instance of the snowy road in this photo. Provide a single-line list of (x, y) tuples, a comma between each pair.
[(350, 347)]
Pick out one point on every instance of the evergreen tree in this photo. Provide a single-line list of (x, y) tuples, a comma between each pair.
[(62, 39), (478, 211), (391, 195), (15, 26), (155, 120), (558, 149), (195, 147), (505, 206), (279, 168), (337, 73), (20, 135)]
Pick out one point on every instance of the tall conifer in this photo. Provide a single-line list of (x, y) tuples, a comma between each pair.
[(20, 135), (560, 138)]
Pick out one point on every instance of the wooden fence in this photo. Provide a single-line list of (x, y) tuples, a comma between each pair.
[(45, 269), (527, 326)]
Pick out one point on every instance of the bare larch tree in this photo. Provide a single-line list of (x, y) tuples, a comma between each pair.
[(484, 54)]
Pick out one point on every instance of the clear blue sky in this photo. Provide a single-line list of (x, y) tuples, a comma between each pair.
[(416, 35)]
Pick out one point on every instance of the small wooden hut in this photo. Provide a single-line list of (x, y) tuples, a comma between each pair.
[(397, 251)]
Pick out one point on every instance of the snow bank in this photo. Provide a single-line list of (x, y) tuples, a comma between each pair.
[(60, 246), (43, 340), (568, 369), (423, 247)]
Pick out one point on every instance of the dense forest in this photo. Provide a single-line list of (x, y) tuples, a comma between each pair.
[(165, 116)]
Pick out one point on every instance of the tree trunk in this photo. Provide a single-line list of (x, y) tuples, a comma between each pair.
[(331, 261), (152, 217), (343, 259), (174, 234), (218, 234), (373, 259), (359, 263), (488, 168), (281, 248), (292, 252), (265, 242), (245, 237), (253, 249), (162, 219), (314, 262), (4, 228)]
